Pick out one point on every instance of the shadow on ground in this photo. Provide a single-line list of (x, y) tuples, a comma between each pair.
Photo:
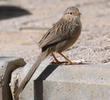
[(7, 12)]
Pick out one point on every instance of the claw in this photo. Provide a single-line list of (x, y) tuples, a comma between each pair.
[(71, 63)]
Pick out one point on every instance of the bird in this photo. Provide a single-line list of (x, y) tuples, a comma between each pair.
[(62, 35)]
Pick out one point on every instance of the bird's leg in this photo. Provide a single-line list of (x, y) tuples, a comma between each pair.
[(55, 59), (68, 61)]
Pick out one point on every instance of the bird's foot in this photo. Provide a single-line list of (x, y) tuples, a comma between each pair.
[(75, 62), (71, 63), (59, 62)]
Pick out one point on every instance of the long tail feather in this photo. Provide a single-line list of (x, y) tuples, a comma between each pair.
[(40, 58)]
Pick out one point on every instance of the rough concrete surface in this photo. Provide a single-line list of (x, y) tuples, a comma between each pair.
[(80, 82), (75, 91)]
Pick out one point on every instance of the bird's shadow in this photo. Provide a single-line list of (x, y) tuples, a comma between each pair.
[(38, 83), (8, 11)]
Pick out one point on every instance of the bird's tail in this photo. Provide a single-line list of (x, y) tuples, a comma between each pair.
[(40, 58)]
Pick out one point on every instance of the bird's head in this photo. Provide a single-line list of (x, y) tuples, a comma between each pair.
[(72, 13)]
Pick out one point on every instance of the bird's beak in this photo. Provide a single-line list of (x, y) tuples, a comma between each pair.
[(77, 14)]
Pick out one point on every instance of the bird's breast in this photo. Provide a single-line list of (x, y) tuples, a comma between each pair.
[(75, 34)]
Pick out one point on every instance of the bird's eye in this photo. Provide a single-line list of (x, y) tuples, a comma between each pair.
[(70, 13)]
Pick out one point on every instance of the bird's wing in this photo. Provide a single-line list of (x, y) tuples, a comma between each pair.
[(59, 32)]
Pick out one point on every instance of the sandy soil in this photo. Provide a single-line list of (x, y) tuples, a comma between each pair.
[(18, 35)]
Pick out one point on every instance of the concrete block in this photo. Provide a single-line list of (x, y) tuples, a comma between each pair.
[(69, 82), (74, 82)]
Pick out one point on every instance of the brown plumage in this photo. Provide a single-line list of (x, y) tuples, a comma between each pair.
[(61, 36)]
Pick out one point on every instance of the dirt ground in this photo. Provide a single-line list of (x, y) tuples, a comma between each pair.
[(19, 35)]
